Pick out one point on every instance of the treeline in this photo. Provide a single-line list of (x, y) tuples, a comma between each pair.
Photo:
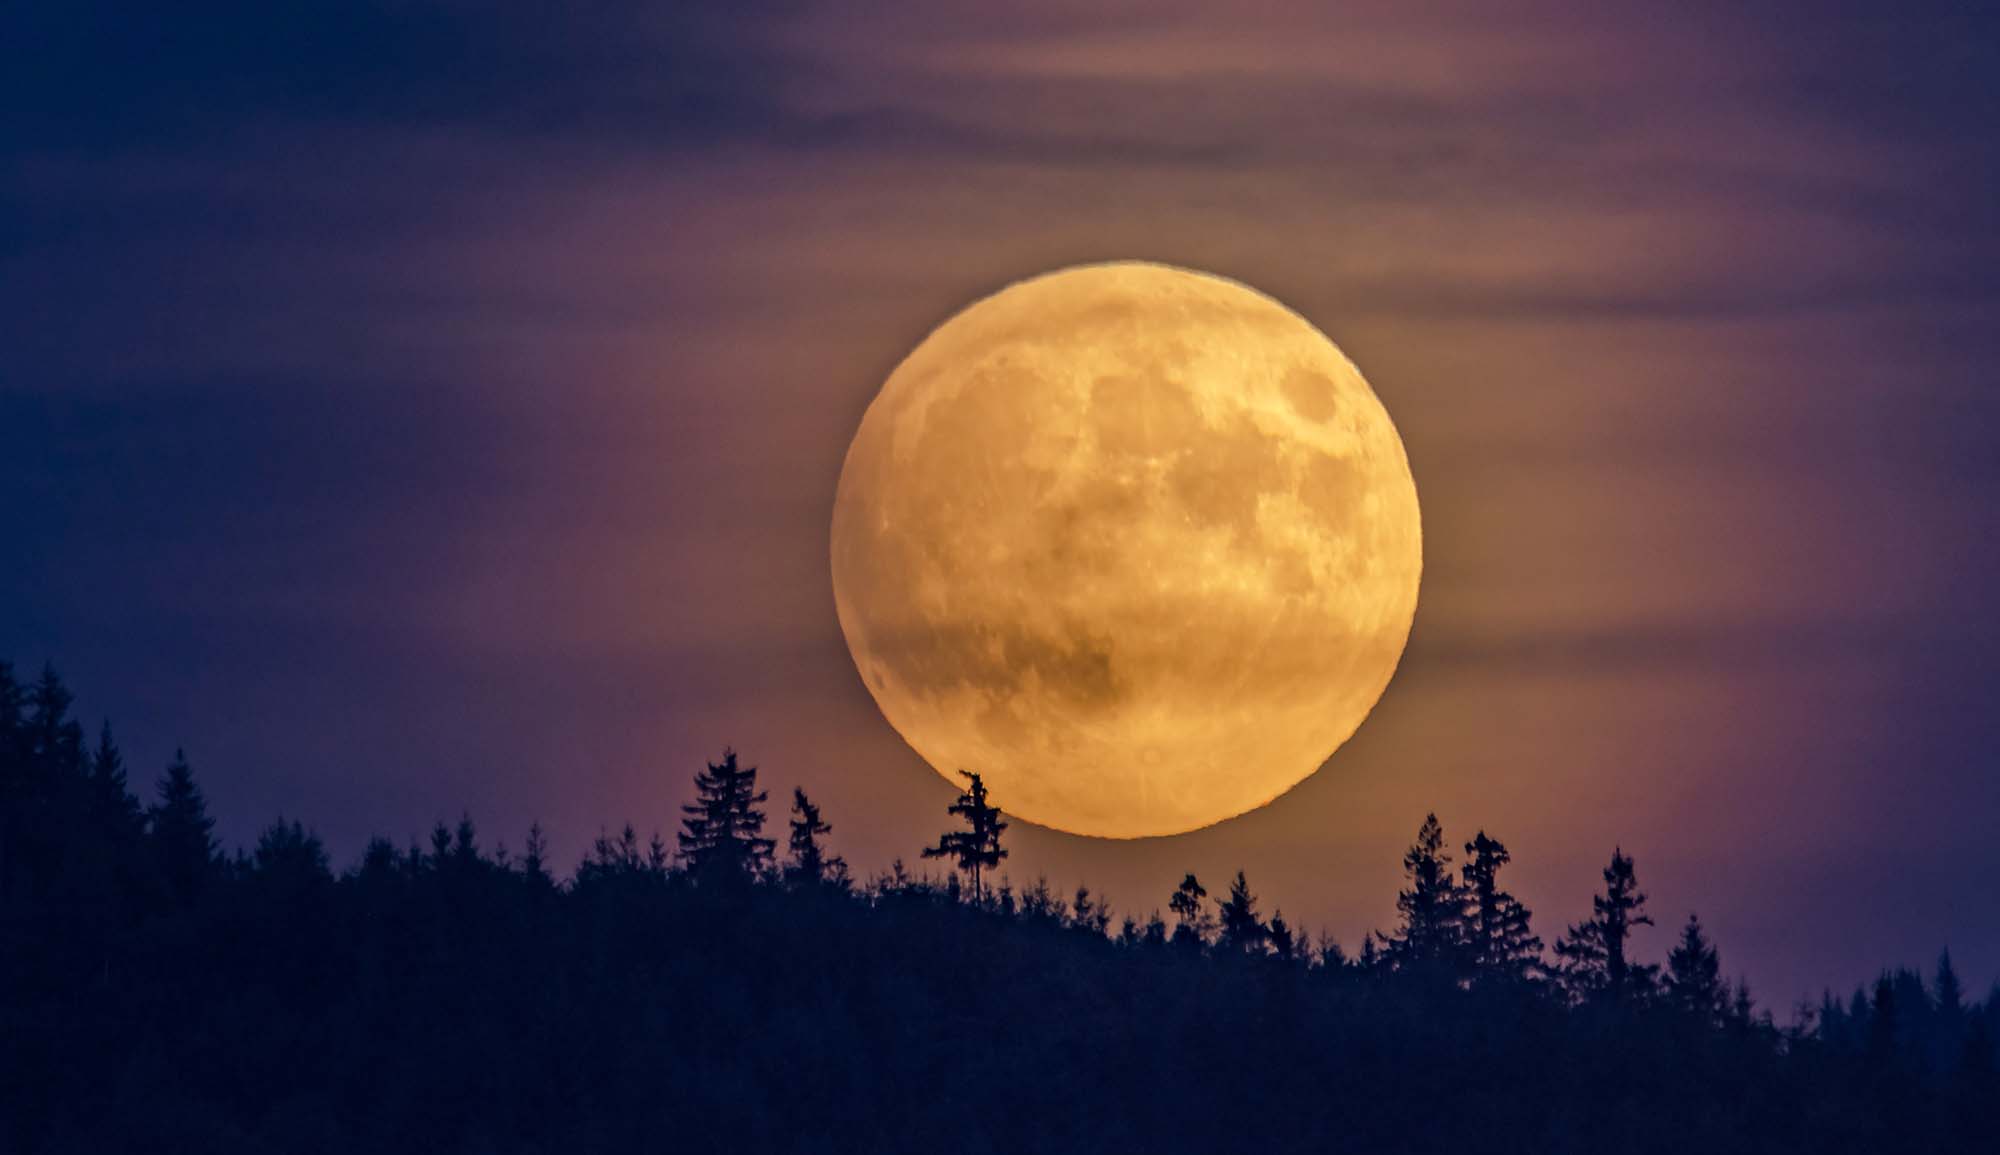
[(742, 990)]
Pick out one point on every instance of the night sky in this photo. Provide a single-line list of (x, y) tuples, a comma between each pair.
[(415, 412)]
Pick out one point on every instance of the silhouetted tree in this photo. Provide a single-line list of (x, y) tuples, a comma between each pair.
[(1947, 1027), (721, 836), (1694, 976), (182, 833), (1284, 945), (1499, 942), (1242, 932), (1738, 1014), (1432, 935), (290, 858), (1192, 924), (1594, 962), (54, 738), (535, 859), (1090, 913), (113, 807), (976, 849), (532, 1016), (809, 864), (1039, 903), (1885, 1041)]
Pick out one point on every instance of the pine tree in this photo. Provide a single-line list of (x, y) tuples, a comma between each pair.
[(290, 859), (722, 836), (809, 865), (1948, 1016), (612, 858), (535, 859), (182, 833), (1432, 935), (1242, 931), (1593, 951), (1090, 913), (55, 739), (1832, 1027), (459, 856), (115, 811), (1885, 1031), (1694, 976), (1739, 1015), (976, 849), (1284, 945), (1498, 939), (1192, 925), (1859, 1016), (41, 777)]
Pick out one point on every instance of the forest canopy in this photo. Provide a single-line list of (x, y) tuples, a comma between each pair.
[(743, 991)]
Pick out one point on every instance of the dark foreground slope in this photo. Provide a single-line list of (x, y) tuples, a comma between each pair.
[(156, 995), (450, 1005)]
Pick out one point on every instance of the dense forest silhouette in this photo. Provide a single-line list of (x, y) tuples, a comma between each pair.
[(159, 994)]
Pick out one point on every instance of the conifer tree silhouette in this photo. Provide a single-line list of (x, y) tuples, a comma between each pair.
[(535, 858), (1090, 913), (1595, 964), (976, 849), (290, 858), (1498, 939), (112, 806), (1371, 957), (1284, 944), (1947, 1015), (55, 739), (1192, 924), (1432, 935), (1694, 976), (809, 864), (612, 859), (522, 1005), (1242, 932), (1739, 1014), (1885, 1028), (721, 839), (182, 833)]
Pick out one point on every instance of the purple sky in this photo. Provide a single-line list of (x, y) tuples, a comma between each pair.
[(423, 412)]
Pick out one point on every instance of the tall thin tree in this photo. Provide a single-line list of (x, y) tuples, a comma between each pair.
[(810, 865), (182, 833), (1242, 931), (1499, 942), (1432, 935), (1192, 924), (1594, 960), (976, 849)]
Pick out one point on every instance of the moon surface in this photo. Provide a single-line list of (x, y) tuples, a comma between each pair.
[(1136, 543)]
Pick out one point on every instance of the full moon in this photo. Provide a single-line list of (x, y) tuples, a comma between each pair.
[(1136, 543)]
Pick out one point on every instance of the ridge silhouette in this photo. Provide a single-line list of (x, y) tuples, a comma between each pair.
[(160, 993)]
